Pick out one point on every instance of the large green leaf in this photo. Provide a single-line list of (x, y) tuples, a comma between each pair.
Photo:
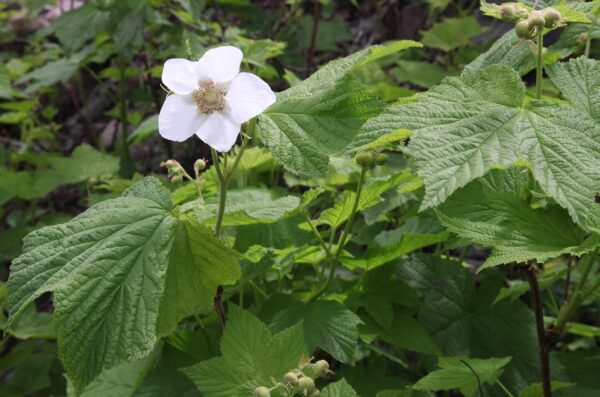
[(488, 215), (115, 272), (328, 325), (319, 117), (452, 33), (467, 126), (464, 374), (464, 320), (84, 163), (252, 357), (579, 82)]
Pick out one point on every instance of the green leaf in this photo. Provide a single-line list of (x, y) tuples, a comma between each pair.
[(422, 74), (198, 264), (249, 206), (464, 374), (464, 320), (492, 217), (508, 51), (145, 130), (74, 28), (319, 117), (377, 256), (452, 33), (341, 388), (535, 389), (84, 163), (466, 126), (579, 82), (328, 325), (114, 271), (252, 357), (406, 332)]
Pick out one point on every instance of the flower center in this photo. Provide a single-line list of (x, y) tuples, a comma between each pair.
[(209, 97)]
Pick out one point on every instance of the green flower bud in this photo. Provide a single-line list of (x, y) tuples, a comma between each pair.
[(262, 391), (365, 159), (323, 367), (552, 17), (199, 165), (306, 385), (523, 30), (583, 37), (174, 170), (381, 159), (536, 20), (290, 379), (508, 12)]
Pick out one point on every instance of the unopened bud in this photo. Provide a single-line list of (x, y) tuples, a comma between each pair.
[(174, 170), (262, 391), (508, 12), (365, 159), (552, 17), (306, 385), (523, 30), (290, 379), (199, 165), (536, 20)]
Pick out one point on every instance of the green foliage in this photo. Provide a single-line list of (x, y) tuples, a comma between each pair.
[(489, 214), (492, 127), (118, 262), (365, 270), (463, 373), (318, 118), (84, 163), (327, 325), (252, 357), (451, 33)]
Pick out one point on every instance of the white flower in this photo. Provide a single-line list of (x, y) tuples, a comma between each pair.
[(211, 98)]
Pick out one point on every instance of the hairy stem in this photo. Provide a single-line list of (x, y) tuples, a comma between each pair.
[(544, 347), (224, 175), (343, 237), (540, 64)]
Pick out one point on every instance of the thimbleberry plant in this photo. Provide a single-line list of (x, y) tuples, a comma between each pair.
[(413, 219)]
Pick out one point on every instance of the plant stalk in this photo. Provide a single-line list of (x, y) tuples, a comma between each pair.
[(540, 64), (224, 175), (343, 237), (544, 347)]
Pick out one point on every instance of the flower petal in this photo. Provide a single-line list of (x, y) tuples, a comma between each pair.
[(179, 118), (221, 64), (248, 96), (219, 131), (182, 76)]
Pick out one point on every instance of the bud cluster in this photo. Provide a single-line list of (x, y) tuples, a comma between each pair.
[(297, 382), (370, 158), (174, 170), (528, 24)]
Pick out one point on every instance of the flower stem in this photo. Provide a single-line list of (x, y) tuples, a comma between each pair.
[(540, 64), (224, 175), (508, 393), (343, 237), (342, 241)]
